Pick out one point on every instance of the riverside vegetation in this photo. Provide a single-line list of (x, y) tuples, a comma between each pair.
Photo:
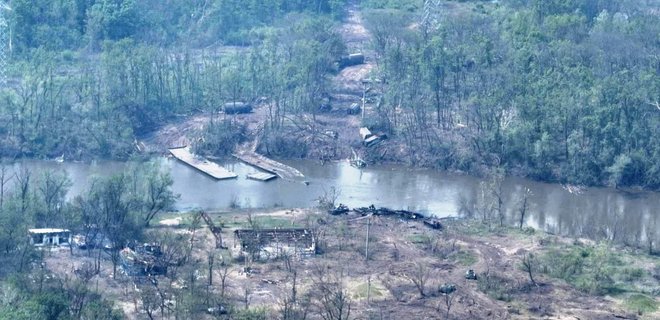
[(557, 90)]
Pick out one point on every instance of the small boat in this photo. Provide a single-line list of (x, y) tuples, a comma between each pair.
[(60, 159)]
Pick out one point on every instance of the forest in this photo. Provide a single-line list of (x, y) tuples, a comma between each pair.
[(556, 90)]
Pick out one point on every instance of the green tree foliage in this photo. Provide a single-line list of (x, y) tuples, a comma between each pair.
[(36, 296), (83, 105), (220, 137), (72, 24), (560, 90)]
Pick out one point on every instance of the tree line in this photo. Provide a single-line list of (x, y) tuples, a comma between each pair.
[(557, 90), (75, 24), (85, 103), (563, 91)]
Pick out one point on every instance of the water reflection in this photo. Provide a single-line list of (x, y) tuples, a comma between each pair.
[(594, 213)]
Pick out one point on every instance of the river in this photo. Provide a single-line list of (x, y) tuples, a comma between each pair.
[(593, 212)]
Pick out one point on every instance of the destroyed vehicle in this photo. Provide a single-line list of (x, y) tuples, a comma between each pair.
[(433, 224), (91, 242), (217, 311), (447, 288), (353, 59), (149, 248), (332, 134), (237, 107), (369, 139), (371, 80), (141, 263), (354, 109), (325, 107), (471, 275), (340, 209)]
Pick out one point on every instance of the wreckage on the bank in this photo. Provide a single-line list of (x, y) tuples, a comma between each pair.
[(273, 243), (352, 59), (370, 139), (143, 261), (430, 222)]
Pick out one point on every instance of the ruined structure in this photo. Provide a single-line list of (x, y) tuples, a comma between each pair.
[(142, 261), (274, 243), (49, 237)]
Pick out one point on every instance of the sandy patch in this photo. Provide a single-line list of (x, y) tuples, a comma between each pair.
[(171, 222)]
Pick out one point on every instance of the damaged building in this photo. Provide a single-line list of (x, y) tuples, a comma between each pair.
[(273, 243), (143, 260), (49, 237)]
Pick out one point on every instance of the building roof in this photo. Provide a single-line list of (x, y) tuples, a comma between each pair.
[(47, 230)]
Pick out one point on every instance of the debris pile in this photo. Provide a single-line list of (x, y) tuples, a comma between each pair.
[(143, 261), (401, 214)]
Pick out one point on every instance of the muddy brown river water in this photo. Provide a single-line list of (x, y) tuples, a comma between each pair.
[(594, 212)]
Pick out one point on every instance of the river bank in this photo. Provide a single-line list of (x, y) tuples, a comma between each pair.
[(597, 213)]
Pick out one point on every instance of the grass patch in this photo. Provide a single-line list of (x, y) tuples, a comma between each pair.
[(496, 287), (360, 291), (465, 258), (418, 238), (641, 303), (268, 222), (594, 269), (184, 221), (473, 228)]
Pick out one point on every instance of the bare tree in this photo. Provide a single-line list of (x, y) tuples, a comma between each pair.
[(431, 242), (211, 260), (252, 222), (529, 265), (448, 302), (333, 300), (78, 288), (466, 206), (194, 225), (495, 185), (5, 177), (173, 252), (419, 276), (23, 177), (247, 291), (651, 233), (52, 188), (158, 196), (329, 198), (151, 301), (291, 308), (224, 272), (524, 206)]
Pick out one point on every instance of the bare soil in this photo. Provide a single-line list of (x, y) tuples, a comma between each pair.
[(397, 249), (313, 130)]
